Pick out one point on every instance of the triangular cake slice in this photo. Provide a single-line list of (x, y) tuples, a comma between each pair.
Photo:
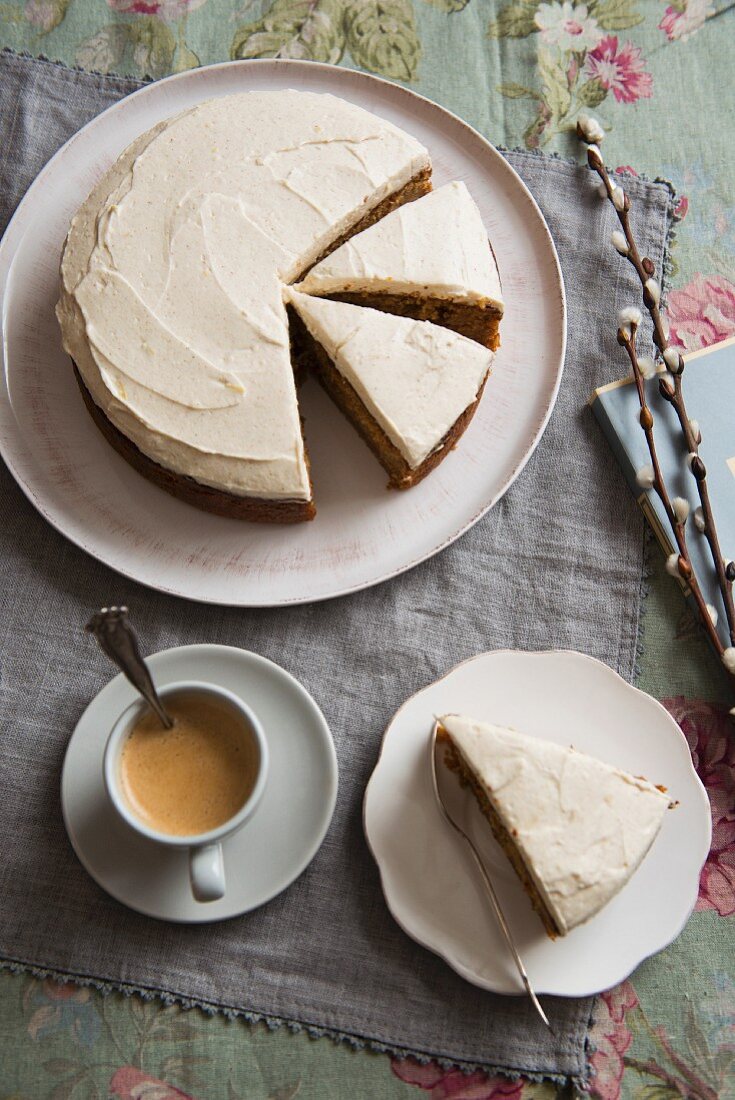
[(409, 387), (430, 259), (574, 828)]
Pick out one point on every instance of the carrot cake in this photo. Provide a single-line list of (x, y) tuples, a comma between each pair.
[(429, 259), (574, 828), (409, 387), (173, 275)]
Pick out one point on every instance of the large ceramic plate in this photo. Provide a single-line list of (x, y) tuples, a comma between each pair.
[(429, 880), (362, 534)]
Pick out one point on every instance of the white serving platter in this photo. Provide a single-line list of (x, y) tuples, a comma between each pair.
[(363, 534)]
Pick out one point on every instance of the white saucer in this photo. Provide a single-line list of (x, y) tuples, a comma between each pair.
[(430, 883), (268, 853)]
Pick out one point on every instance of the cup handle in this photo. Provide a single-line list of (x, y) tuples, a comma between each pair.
[(207, 872)]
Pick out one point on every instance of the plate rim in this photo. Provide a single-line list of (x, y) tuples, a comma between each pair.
[(8, 249), (332, 780), (463, 971)]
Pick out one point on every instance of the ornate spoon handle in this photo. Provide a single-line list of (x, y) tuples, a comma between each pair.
[(117, 639)]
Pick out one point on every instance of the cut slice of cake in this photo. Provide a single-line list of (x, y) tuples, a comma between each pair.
[(430, 259), (409, 387), (574, 828)]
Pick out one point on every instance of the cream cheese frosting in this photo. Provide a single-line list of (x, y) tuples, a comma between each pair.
[(434, 247), (174, 271), (415, 378), (582, 826)]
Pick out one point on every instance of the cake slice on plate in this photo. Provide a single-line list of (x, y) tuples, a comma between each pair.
[(430, 260), (574, 828), (409, 387)]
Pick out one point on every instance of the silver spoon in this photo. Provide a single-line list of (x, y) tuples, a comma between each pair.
[(117, 639), (435, 749)]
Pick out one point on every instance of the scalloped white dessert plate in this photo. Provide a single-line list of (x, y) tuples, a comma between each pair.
[(363, 534), (429, 880), (268, 853)]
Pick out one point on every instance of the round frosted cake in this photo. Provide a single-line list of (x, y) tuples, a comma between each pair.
[(177, 312)]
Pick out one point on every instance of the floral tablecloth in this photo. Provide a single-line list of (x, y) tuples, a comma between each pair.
[(660, 77)]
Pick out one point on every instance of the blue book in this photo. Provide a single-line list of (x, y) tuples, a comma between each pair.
[(709, 389)]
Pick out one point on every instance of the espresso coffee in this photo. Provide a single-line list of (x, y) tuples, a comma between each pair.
[(195, 776)]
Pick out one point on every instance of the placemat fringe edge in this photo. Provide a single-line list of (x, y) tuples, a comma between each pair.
[(580, 1082)]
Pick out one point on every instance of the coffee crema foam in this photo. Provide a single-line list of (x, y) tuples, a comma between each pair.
[(194, 777)]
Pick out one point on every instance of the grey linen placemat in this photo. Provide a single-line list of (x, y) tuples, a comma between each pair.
[(558, 563)]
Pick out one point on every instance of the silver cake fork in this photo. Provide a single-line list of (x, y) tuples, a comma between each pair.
[(489, 888)]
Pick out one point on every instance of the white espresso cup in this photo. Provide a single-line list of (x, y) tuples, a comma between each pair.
[(206, 867)]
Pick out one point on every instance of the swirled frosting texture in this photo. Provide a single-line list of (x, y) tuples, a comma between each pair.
[(581, 826), (434, 247), (415, 378), (174, 270)]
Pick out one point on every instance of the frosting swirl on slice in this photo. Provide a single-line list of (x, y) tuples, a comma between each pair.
[(435, 247), (415, 378), (581, 826)]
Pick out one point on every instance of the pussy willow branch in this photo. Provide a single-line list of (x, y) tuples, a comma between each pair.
[(671, 390), (627, 339), (645, 271)]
